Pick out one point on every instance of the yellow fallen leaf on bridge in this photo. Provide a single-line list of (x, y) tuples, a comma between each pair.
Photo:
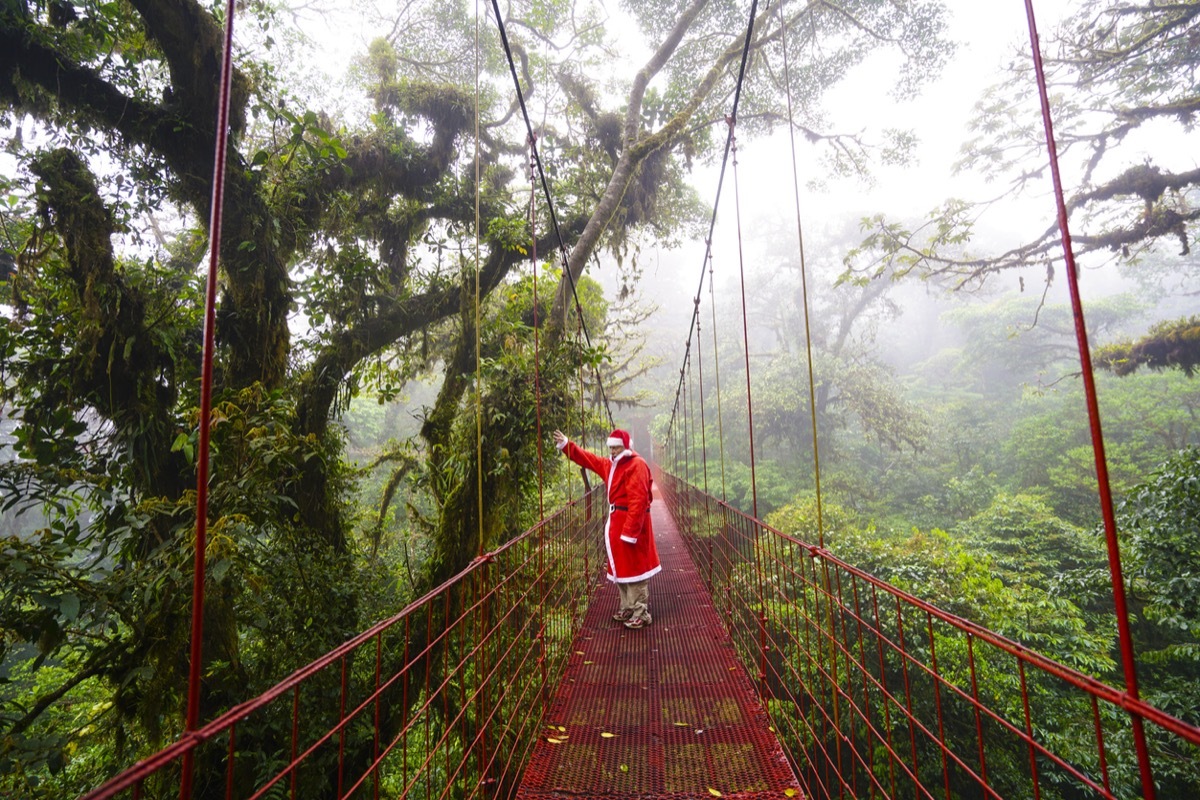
[(624, 768), (714, 792), (790, 793), (561, 728), (554, 741), (682, 725), (608, 735)]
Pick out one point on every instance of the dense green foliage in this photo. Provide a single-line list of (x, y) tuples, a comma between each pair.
[(350, 270), (364, 396)]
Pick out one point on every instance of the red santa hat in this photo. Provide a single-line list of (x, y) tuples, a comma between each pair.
[(619, 438)]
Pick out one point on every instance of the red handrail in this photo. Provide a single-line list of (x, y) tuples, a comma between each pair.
[(828, 650), (515, 609)]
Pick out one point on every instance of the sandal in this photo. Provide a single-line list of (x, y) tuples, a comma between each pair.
[(622, 615), (637, 624)]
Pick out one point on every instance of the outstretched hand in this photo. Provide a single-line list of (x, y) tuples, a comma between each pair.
[(560, 439)]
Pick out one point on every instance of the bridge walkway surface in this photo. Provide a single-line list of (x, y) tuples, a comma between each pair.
[(663, 712)]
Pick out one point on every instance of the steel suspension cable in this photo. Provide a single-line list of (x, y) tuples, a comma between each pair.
[(712, 223), (758, 557), (685, 420), (712, 297), (812, 394), (812, 391), (1125, 635), (196, 653), (478, 334), (537, 357), (691, 418), (745, 322), (562, 247), (703, 432)]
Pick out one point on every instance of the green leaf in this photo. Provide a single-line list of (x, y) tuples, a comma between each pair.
[(68, 606)]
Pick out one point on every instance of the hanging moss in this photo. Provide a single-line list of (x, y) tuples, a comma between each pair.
[(1169, 345)]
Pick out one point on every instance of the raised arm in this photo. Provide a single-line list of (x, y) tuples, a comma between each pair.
[(583, 458)]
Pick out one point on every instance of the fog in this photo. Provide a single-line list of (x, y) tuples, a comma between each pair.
[(918, 323)]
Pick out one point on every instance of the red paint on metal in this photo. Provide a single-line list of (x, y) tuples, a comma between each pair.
[(832, 662), (230, 759), (829, 649), (192, 717), (341, 776), (1124, 634), (431, 680)]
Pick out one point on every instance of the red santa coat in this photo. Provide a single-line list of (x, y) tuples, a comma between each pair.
[(628, 534)]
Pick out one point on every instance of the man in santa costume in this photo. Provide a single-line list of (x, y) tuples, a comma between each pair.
[(628, 534)]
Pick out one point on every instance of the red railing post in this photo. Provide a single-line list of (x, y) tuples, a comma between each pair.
[(937, 703), (295, 738), (404, 701), (1033, 767), (342, 732), (975, 708), (229, 763)]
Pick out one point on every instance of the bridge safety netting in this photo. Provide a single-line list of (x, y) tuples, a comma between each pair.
[(446, 693), (876, 693)]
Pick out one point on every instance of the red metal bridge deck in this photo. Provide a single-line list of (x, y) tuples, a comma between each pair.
[(666, 711)]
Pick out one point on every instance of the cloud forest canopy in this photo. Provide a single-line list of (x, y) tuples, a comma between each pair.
[(1124, 95)]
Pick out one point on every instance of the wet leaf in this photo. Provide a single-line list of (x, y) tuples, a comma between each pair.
[(624, 768), (554, 741), (607, 735), (790, 793), (714, 792), (682, 725)]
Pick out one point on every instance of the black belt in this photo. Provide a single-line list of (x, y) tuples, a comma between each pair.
[(613, 507)]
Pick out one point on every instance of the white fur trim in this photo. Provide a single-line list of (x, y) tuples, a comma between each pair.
[(612, 562), (614, 441), (628, 539), (563, 444), (648, 574)]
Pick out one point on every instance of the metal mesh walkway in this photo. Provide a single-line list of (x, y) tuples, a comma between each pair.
[(666, 711)]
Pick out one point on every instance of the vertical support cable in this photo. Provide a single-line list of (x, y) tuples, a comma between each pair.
[(812, 391), (192, 719), (685, 407), (758, 565), (1125, 636), (745, 322), (712, 298), (703, 432), (478, 332), (737, 94), (537, 357)]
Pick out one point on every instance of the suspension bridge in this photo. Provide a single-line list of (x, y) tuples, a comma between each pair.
[(773, 668)]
